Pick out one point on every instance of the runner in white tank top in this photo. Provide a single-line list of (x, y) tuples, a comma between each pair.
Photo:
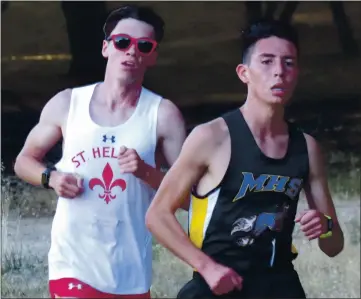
[(115, 135)]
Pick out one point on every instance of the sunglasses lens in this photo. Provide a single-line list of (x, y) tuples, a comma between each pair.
[(122, 42), (145, 46)]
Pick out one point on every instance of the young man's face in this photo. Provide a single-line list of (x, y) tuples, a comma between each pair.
[(129, 63), (272, 70)]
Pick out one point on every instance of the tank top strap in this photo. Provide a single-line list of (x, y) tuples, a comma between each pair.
[(79, 105)]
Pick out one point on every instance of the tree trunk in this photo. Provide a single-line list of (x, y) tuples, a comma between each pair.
[(4, 6), (271, 7), (84, 22), (288, 11), (253, 10), (348, 43)]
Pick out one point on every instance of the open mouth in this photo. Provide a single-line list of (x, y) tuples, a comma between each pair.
[(129, 64), (278, 90), (278, 87)]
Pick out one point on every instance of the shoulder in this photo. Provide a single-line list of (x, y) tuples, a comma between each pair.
[(202, 143), (170, 117), (56, 109), (316, 157), (215, 130), (209, 136), (168, 110), (313, 146), (60, 99)]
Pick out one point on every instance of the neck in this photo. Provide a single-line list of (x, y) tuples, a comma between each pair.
[(118, 94), (264, 119)]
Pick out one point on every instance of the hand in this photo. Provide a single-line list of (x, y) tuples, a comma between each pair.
[(130, 162), (221, 280), (66, 185), (313, 223)]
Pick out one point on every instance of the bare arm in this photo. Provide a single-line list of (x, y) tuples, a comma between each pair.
[(319, 197), (171, 131), (42, 138), (171, 134), (187, 170)]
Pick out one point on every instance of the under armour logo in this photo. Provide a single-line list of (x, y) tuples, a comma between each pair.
[(105, 138), (71, 286)]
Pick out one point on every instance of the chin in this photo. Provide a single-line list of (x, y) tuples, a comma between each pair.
[(278, 100)]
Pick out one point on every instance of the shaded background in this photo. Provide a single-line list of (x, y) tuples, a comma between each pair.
[(49, 46)]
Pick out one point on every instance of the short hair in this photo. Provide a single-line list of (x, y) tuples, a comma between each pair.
[(141, 13), (265, 28)]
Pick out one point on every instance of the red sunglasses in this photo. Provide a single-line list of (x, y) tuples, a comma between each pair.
[(145, 46)]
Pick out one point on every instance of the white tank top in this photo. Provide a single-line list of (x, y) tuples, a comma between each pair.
[(100, 237)]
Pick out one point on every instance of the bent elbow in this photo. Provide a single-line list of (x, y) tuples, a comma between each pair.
[(17, 165), (155, 218), (149, 219), (335, 252)]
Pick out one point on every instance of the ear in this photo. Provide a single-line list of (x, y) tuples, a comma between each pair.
[(105, 49), (242, 73)]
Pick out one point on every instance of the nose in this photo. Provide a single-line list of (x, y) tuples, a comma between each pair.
[(131, 51), (279, 68)]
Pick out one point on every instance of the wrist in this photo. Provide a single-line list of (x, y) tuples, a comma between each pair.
[(329, 227), (45, 176), (203, 264), (147, 172), (52, 178)]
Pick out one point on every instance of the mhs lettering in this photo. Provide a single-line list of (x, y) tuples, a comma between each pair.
[(269, 183)]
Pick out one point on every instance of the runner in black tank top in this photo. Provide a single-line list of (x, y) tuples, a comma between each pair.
[(252, 215), (246, 170)]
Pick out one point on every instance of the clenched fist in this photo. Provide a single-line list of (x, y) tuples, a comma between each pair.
[(130, 162), (222, 280), (313, 223), (66, 185)]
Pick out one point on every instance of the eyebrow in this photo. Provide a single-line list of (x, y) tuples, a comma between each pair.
[(273, 56)]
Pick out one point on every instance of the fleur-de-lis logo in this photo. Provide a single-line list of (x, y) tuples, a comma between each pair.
[(107, 184)]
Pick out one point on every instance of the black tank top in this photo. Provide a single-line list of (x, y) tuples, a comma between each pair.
[(247, 221)]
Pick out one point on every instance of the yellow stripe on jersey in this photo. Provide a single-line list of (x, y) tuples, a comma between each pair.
[(294, 252), (199, 212)]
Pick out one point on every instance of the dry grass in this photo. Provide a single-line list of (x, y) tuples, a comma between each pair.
[(26, 240)]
